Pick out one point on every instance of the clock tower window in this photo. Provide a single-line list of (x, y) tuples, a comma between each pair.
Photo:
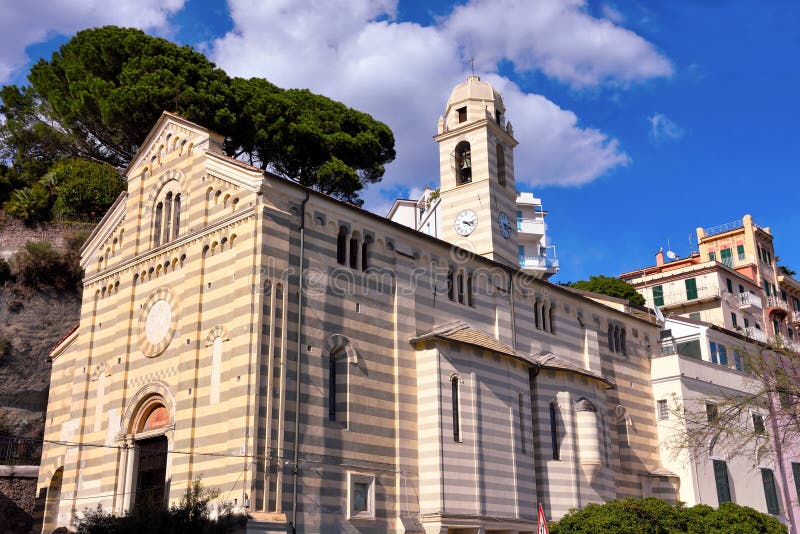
[(501, 165), (463, 161)]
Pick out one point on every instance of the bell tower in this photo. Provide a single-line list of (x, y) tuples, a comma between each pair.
[(476, 159)]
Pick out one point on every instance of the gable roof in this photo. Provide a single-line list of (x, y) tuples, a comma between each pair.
[(462, 332)]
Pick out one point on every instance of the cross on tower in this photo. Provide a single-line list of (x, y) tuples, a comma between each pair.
[(472, 64)]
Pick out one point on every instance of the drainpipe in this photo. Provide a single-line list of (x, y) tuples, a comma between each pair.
[(513, 315), (297, 361)]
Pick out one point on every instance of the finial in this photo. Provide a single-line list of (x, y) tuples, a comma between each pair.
[(472, 64)]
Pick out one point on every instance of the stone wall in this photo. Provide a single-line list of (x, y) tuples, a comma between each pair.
[(18, 499), (14, 233)]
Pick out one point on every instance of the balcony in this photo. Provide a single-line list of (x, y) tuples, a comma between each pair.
[(539, 263), (531, 226), (796, 317), (775, 303), (748, 301), (680, 298), (756, 334)]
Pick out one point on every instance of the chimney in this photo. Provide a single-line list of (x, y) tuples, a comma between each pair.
[(660, 257)]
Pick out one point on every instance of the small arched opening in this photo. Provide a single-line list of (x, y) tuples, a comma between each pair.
[(463, 162)]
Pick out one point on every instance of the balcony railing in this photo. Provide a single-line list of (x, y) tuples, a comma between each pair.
[(20, 451), (681, 297), (722, 228), (755, 334), (747, 300), (530, 226), (777, 303), (538, 262)]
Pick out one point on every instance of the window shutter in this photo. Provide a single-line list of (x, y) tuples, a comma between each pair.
[(740, 251), (658, 295), (691, 288), (796, 474), (770, 492), (721, 479)]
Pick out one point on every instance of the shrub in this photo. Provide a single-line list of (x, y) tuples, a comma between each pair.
[(38, 265), (83, 188), (191, 516), (5, 271), (654, 516)]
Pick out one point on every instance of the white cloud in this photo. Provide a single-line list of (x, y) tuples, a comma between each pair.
[(402, 73), (27, 23), (613, 14), (558, 37), (662, 128)]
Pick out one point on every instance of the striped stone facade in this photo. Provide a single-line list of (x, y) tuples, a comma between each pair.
[(198, 333)]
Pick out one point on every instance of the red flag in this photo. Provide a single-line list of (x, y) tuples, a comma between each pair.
[(542, 522)]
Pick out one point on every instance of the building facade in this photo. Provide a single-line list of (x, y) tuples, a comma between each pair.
[(331, 370)]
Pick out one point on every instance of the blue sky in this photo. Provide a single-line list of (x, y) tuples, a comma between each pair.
[(638, 121)]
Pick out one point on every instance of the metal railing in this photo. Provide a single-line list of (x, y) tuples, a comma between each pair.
[(755, 334), (20, 451), (722, 228), (538, 262), (679, 297)]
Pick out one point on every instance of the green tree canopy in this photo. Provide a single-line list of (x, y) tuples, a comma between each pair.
[(654, 516), (609, 285), (100, 94)]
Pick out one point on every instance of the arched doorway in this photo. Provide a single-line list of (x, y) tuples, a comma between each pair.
[(149, 424), (52, 501), (151, 457)]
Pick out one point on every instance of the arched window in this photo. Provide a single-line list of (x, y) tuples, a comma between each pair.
[(616, 339), (470, 299), (554, 431), (536, 318), (546, 316), (157, 224), (455, 381), (451, 291), (501, 165), (332, 386), (463, 162), (177, 215), (622, 336), (341, 246), (167, 216), (365, 253), (551, 319), (354, 247), (611, 337), (460, 287)]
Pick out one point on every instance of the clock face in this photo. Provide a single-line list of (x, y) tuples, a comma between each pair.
[(504, 224), (466, 222)]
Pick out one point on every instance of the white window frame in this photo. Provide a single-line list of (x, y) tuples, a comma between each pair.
[(354, 478)]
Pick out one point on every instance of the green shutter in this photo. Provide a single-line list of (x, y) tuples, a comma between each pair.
[(770, 492), (725, 259), (691, 288), (658, 295), (712, 256), (721, 479), (740, 251), (796, 474)]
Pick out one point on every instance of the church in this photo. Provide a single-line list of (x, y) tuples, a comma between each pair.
[(330, 370)]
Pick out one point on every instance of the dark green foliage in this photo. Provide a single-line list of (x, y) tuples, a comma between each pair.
[(84, 189), (609, 285), (782, 269), (100, 94), (654, 516), (191, 516), (38, 265)]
